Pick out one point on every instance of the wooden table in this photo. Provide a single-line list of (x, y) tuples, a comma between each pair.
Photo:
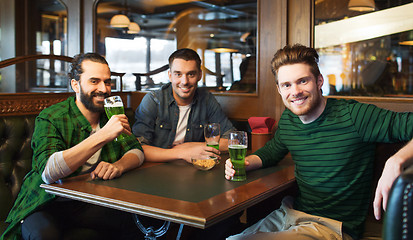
[(178, 192)]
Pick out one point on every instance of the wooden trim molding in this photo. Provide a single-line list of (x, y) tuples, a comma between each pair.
[(17, 104), (28, 103)]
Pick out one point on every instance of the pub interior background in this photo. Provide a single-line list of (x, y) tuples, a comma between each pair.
[(365, 53)]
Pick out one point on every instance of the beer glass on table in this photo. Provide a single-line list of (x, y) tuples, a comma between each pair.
[(237, 146), (212, 133), (114, 106)]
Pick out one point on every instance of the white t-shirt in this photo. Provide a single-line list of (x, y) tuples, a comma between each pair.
[(181, 128)]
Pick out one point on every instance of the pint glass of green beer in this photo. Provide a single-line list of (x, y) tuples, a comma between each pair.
[(237, 145), (114, 106), (212, 133)]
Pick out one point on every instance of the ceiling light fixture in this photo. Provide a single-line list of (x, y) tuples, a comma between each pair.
[(361, 5), (221, 46), (119, 21), (133, 28)]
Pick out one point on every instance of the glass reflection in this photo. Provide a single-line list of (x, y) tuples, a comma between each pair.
[(223, 34), (361, 52)]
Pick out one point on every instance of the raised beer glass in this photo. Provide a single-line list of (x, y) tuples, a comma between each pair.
[(237, 145), (114, 106)]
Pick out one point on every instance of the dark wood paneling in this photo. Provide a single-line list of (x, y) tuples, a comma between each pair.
[(273, 36), (299, 22)]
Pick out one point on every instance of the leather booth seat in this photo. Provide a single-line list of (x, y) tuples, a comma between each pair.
[(15, 159), (398, 221)]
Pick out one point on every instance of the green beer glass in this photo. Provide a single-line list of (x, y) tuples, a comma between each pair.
[(212, 133), (237, 146), (114, 106)]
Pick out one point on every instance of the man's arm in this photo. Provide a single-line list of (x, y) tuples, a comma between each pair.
[(182, 151), (63, 163), (80, 153), (252, 162), (392, 169)]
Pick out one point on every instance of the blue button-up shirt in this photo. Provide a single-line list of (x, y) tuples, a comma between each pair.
[(158, 114)]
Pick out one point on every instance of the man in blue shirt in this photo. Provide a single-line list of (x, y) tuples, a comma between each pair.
[(170, 121)]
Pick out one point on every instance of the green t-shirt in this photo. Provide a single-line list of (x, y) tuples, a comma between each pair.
[(57, 128), (334, 157)]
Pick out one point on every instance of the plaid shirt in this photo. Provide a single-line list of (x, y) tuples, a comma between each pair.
[(57, 128)]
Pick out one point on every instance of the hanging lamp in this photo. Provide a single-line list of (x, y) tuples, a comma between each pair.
[(133, 28), (362, 5), (119, 21)]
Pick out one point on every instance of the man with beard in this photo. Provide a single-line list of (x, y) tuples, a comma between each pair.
[(169, 122), (71, 138), (332, 143)]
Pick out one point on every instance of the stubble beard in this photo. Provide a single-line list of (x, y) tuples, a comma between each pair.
[(310, 107)]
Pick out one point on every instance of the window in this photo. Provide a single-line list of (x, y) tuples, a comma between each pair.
[(36, 27), (365, 53), (223, 33)]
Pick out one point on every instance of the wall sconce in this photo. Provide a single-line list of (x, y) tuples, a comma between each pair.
[(361, 5), (133, 28), (119, 21)]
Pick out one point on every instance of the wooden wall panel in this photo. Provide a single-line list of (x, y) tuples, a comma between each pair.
[(300, 18), (273, 36)]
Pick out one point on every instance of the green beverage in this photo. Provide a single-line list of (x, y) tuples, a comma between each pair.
[(111, 110), (213, 144), (114, 106), (237, 154)]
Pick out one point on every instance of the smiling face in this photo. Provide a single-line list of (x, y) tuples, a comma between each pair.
[(301, 91), (93, 86), (184, 76)]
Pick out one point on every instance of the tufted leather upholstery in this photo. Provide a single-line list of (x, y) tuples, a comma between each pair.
[(15, 159), (398, 222)]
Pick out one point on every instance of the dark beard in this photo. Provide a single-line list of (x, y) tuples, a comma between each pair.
[(87, 101)]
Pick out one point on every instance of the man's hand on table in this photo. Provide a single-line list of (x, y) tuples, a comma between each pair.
[(106, 171), (190, 149)]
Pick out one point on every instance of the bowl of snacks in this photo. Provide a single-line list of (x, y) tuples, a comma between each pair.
[(204, 162)]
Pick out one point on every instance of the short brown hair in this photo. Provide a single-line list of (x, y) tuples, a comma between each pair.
[(186, 54), (295, 54)]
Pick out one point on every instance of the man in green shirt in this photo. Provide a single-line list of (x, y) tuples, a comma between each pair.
[(71, 138), (332, 143)]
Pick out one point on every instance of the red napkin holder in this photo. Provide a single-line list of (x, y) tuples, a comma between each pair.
[(261, 131)]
